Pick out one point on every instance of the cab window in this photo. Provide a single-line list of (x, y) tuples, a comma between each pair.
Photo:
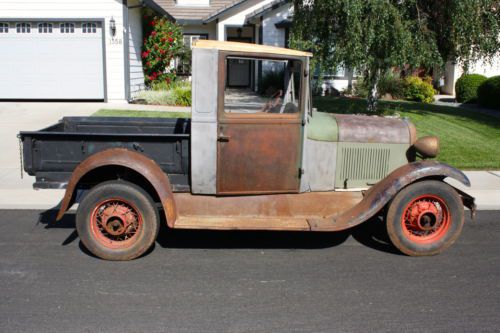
[(262, 86)]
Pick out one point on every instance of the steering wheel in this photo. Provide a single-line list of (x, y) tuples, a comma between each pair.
[(273, 102)]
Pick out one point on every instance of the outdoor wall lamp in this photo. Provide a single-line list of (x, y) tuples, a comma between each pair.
[(112, 26)]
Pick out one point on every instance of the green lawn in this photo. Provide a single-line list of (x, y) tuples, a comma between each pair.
[(136, 113), (469, 139)]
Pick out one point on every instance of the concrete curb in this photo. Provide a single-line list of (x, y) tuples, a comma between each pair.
[(28, 198)]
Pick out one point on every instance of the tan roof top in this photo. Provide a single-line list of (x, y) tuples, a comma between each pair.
[(195, 12), (248, 47)]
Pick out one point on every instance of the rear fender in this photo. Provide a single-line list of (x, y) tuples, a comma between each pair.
[(125, 158), (381, 193)]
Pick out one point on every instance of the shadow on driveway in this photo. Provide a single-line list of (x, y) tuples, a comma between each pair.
[(371, 234)]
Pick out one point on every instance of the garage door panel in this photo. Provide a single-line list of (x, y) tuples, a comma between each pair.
[(52, 65)]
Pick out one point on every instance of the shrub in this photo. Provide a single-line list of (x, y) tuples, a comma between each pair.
[(162, 42), (182, 96), (488, 93), (156, 97), (360, 88), (418, 90), (176, 93), (466, 87), (391, 83)]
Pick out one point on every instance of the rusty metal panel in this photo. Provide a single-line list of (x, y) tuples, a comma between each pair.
[(259, 152), (302, 205), (380, 194), (258, 158), (130, 159), (233, 223), (367, 129)]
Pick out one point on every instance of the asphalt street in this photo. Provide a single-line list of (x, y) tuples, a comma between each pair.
[(199, 281)]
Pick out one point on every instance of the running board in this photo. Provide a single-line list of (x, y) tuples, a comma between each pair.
[(241, 223)]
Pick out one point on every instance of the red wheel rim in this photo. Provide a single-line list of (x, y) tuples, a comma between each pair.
[(426, 219), (115, 223)]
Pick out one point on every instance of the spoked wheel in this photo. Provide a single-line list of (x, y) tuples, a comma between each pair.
[(117, 220), (116, 223), (425, 218)]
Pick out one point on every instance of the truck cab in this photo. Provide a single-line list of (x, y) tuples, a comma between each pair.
[(253, 156)]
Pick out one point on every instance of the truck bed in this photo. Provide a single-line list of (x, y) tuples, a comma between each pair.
[(52, 153)]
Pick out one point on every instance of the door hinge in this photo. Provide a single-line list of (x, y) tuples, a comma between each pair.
[(301, 172)]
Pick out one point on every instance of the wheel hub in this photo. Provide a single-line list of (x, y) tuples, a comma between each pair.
[(115, 221), (425, 218)]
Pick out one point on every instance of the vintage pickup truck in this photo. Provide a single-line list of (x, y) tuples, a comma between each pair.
[(253, 156)]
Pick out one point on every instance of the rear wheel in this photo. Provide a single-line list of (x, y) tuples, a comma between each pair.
[(117, 220), (425, 218)]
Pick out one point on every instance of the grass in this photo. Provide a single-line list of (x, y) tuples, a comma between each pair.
[(177, 93), (469, 139), (139, 113)]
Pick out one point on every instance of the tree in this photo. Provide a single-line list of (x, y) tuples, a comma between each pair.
[(374, 36)]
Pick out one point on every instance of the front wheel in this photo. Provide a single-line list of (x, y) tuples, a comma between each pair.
[(425, 218), (117, 220)]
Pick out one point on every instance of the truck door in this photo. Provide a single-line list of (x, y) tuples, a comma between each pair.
[(260, 129)]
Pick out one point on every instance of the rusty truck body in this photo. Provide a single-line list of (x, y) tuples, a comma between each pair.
[(253, 156)]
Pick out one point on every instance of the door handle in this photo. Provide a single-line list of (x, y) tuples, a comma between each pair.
[(223, 138)]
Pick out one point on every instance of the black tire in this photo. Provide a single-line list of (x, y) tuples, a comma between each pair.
[(425, 218), (122, 206)]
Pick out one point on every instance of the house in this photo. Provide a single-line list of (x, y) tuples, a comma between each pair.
[(70, 49), (90, 50)]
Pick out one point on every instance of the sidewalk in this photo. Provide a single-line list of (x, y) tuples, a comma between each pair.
[(17, 193)]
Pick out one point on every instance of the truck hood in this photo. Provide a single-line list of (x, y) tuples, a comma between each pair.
[(362, 129)]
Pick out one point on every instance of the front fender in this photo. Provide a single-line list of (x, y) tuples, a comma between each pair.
[(382, 192), (125, 158)]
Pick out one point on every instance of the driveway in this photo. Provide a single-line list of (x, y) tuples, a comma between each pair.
[(16, 117), (196, 281)]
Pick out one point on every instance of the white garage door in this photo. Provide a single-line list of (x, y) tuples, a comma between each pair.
[(51, 60)]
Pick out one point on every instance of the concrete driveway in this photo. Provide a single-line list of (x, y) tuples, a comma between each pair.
[(31, 116)]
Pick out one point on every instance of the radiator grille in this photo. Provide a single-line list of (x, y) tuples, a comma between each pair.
[(364, 163)]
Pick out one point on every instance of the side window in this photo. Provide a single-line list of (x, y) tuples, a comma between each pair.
[(67, 28), (4, 28), (262, 86), (23, 28), (45, 28), (89, 28)]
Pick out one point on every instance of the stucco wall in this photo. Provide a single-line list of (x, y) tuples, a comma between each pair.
[(453, 72)]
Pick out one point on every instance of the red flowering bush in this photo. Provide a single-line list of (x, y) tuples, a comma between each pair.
[(162, 43)]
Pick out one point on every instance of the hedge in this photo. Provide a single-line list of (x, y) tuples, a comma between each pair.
[(489, 93), (466, 87)]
